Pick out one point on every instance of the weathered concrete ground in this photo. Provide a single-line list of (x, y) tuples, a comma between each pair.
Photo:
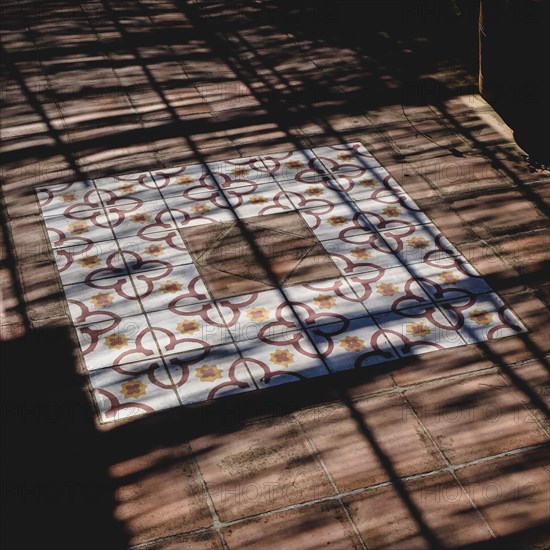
[(446, 450)]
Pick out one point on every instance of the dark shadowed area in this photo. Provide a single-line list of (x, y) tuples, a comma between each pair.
[(445, 450)]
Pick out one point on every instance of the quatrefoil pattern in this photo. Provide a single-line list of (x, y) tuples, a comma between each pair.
[(200, 281)]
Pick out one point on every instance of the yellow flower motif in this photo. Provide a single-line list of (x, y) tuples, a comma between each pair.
[(282, 357), (257, 314), (258, 199), (240, 172), (314, 191), (369, 183), (78, 227), (89, 261), (345, 156), (170, 287), (418, 242), (324, 302), (293, 164), (353, 343), (208, 373), (418, 330), (188, 327), (387, 289), (481, 317), (337, 220), (116, 341), (102, 299), (200, 208), (448, 278), (67, 197), (361, 253), (140, 217), (132, 389), (127, 188), (154, 250), (184, 180), (392, 211)]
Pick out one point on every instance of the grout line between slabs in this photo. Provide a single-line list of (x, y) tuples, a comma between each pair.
[(450, 467), (500, 372), (331, 481), (173, 538), (216, 522)]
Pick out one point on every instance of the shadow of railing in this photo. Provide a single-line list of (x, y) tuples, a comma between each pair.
[(247, 43)]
